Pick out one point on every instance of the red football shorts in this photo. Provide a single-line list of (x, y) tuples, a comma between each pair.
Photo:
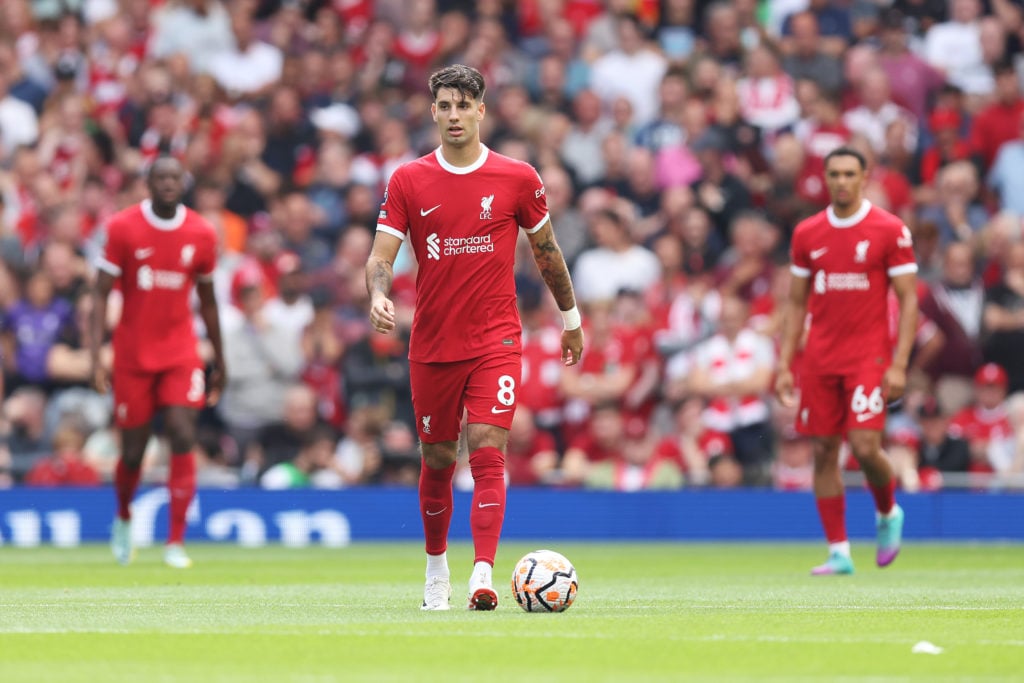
[(834, 404), (484, 387), (138, 395)]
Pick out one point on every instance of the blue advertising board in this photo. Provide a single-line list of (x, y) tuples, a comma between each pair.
[(252, 517)]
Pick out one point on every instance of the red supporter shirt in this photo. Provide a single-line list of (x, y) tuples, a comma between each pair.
[(850, 263), (462, 223), (539, 389), (157, 262)]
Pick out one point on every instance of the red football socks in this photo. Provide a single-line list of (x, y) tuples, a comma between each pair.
[(885, 496), (436, 506), (488, 513), (832, 511), (181, 486), (125, 482)]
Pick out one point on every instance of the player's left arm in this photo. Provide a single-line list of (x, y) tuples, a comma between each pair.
[(206, 262), (552, 267), (895, 379), (208, 311)]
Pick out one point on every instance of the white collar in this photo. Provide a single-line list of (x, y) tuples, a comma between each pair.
[(163, 223), (849, 221), (462, 170)]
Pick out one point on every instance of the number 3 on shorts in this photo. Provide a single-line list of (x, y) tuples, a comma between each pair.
[(506, 390), (197, 387)]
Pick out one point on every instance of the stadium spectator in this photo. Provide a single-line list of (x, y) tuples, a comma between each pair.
[(30, 329), (940, 449), (616, 262), (956, 305), (806, 57), (916, 80), (18, 123), (733, 372), (1003, 318), (532, 457), (631, 70), (954, 47), (264, 359), (636, 467), (197, 29), (999, 122), (718, 191), (1001, 177), (985, 425), (307, 467), (65, 466), (948, 146)]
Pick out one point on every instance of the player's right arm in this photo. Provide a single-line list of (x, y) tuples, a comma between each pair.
[(380, 275), (793, 319), (100, 293), (792, 329)]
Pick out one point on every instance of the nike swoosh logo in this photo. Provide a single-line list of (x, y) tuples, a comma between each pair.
[(487, 505), (427, 212), (818, 253), (864, 417), (496, 411), (435, 514), (143, 253)]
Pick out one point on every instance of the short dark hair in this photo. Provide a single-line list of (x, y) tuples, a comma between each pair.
[(847, 152), (465, 79)]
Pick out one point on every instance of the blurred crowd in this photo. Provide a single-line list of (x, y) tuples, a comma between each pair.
[(680, 142)]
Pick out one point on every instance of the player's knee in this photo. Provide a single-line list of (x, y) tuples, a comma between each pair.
[(865, 446), (440, 455), (181, 438), (487, 463)]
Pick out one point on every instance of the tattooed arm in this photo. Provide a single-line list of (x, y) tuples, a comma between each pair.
[(379, 276), (551, 264)]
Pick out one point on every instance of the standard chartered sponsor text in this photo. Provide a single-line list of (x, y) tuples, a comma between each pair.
[(454, 246)]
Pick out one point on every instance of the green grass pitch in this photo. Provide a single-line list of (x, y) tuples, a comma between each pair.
[(645, 612)]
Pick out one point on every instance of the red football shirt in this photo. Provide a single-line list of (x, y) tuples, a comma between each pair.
[(156, 262), (462, 224), (850, 262)]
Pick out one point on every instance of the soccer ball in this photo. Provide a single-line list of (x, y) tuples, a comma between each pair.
[(544, 581)]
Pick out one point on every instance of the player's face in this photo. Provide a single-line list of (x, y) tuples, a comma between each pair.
[(166, 182), (845, 180), (457, 117)]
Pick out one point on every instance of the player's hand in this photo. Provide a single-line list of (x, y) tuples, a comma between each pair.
[(572, 346), (100, 378), (784, 389), (382, 314), (215, 384), (894, 382)]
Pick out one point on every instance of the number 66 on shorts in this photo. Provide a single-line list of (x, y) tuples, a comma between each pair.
[(835, 404)]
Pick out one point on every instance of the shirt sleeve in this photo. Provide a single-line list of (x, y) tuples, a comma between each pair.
[(393, 217), (112, 259), (800, 261), (900, 256), (532, 208)]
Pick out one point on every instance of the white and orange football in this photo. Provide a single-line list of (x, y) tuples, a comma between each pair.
[(544, 581)]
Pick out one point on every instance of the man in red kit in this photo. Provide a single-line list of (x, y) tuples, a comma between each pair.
[(156, 252), (461, 207), (844, 260)]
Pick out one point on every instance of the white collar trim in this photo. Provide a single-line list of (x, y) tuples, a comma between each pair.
[(163, 223), (849, 221), (462, 170)]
